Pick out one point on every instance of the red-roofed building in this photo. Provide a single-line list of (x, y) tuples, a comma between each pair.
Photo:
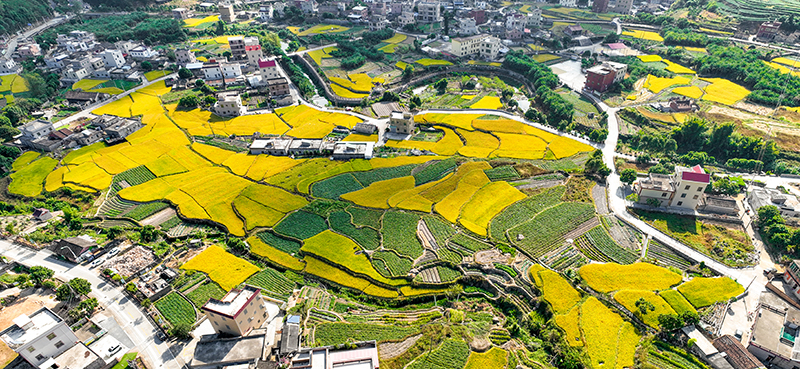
[(685, 189), (268, 68), (246, 50)]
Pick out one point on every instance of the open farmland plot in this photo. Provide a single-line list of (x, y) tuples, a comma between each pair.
[(271, 252), (398, 230), (677, 301), (545, 232), (612, 277), (494, 358), (176, 309), (366, 237), (340, 250), (338, 333), (723, 91), (336, 275), (334, 187), (272, 281), (301, 225), (29, 180), (224, 268), (391, 265), (487, 202), (628, 299), (610, 341), (703, 292), (209, 290), (569, 323), (451, 354), (524, 210), (558, 292)]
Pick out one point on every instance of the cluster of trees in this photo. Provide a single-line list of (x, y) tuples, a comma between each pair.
[(191, 101), (16, 14), (15, 114), (673, 322), (728, 186), (701, 143), (596, 166), (134, 26), (356, 53), (772, 228), (768, 85), (119, 4), (558, 111), (684, 37)]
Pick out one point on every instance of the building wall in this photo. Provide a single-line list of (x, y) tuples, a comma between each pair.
[(44, 347), (662, 196), (688, 194), (599, 82), (774, 359)]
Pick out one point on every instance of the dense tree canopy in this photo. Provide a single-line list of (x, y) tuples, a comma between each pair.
[(134, 26), (16, 14), (748, 69)]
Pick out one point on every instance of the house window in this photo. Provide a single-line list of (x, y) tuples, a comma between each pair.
[(683, 195), (31, 349), (695, 197), (664, 194), (59, 344), (687, 187), (39, 357), (699, 189), (227, 326), (51, 336), (216, 322), (680, 203), (245, 311)]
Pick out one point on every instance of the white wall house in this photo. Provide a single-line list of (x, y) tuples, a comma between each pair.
[(112, 58), (41, 336)]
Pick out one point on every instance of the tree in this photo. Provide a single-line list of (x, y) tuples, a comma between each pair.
[(670, 322), (689, 317), (39, 274), (148, 233), (220, 29), (628, 176), (236, 244), (180, 330), (653, 202), (131, 288), (441, 85), (147, 65), (769, 215), (596, 166), (63, 292), (611, 38), (634, 197), (188, 101), (114, 232), (644, 306), (80, 286), (408, 71), (185, 73)]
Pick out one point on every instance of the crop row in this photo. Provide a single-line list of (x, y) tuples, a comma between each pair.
[(338, 333), (176, 309), (448, 255), (399, 233), (366, 237), (603, 242), (441, 231), (587, 248), (524, 210), (499, 336), (334, 187), (542, 233), (666, 255), (371, 176), (366, 217), (272, 280), (171, 222), (451, 354), (434, 171), (397, 266), (145, 210), (209, 290), (469, 243), (280, 243), (132, 177), (502, 173), (447, 274), (301, 225)]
